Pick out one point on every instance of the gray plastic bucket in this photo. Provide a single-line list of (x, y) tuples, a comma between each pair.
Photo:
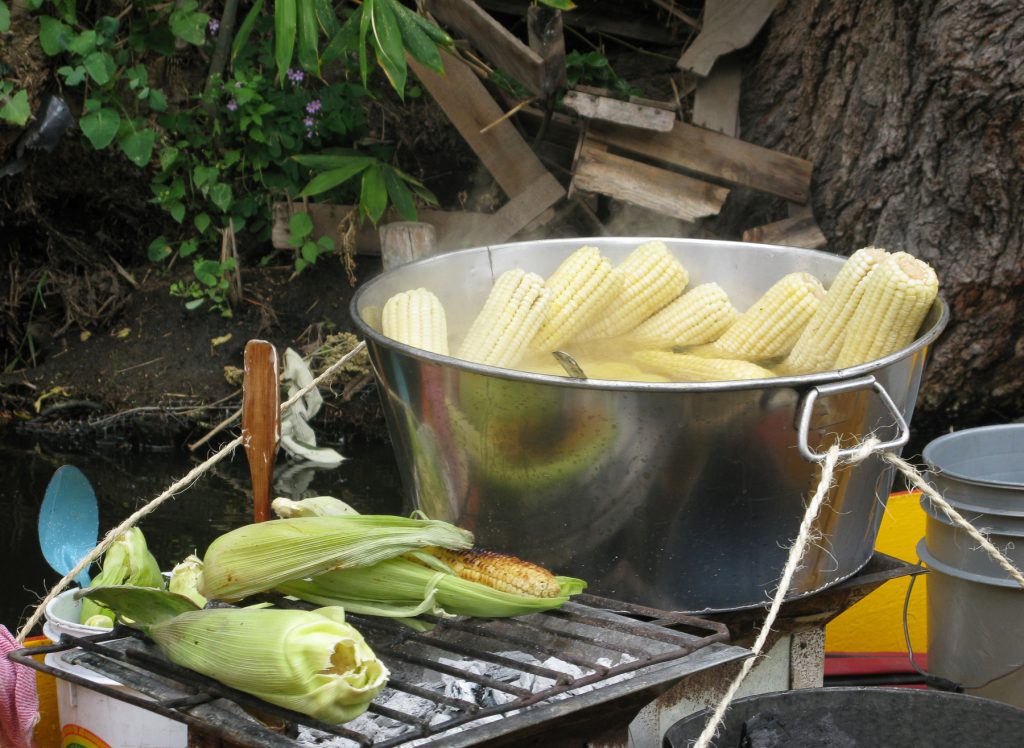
[(858, 717), (974, 606)]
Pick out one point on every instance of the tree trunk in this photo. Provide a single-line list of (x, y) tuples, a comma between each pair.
[(913, 114)]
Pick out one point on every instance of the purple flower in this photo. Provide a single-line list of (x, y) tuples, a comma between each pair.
[(213, 26), (313, 107), (232, 105), (295, 75), (309, 122)]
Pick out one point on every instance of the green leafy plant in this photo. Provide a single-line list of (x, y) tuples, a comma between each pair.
[(14, 106), (212, 286), (593, 68)]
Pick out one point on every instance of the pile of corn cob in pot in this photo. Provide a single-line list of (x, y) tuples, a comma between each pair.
[(638, 321), (323, 552)]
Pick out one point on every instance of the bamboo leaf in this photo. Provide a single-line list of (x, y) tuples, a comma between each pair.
[(330, 179), (389, 48), (326, 17), (365, 12), (400, 196), (373, 196), (420, 45), (245, 30), (309, 36), (323, 161), (284, 35)]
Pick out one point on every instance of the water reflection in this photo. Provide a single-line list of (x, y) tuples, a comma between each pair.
[(218, 501)]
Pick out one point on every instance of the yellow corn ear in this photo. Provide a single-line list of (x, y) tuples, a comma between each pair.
[(699, 316), (897, 295), (582, 285), (772, 324), (820, 342), (683, 367), (416, 318), (509, 320), (499, 571), (651, 278)]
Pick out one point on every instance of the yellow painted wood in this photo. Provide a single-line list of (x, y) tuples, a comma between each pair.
[(875, 624)]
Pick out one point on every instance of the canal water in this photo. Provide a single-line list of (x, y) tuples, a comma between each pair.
[(219, 501)]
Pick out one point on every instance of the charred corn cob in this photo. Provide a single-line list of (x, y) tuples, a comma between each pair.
[(511, 317), (699, 316), (897, 295), (416, 318), (499, 571), (580, 288), (772, 324), (820, 342), (651, 277), (683, 367)]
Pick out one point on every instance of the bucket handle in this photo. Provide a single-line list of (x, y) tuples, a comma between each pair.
[(836, 388)]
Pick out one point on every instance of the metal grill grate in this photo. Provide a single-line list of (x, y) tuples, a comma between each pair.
[(592, 661)]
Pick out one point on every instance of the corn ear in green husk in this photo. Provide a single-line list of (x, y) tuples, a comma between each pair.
[(402, 588), (259, 557), (126, 561), (310, 661)]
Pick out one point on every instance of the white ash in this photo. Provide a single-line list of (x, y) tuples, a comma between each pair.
[(379, 728)]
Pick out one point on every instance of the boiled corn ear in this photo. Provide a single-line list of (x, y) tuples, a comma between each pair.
[(511, 316), (897, 295), (580, 288), (258, 557), (650, 277), (683, 367), (820, 342), (699, 316), (500, 571), (416, 318), (772, 324)]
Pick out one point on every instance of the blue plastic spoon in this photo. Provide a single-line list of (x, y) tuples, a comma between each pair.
[(69, 521)]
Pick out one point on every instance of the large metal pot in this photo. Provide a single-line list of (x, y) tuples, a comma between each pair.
[(680, 496)]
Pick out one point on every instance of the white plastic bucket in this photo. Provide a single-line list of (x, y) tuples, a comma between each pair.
[(88, 719)]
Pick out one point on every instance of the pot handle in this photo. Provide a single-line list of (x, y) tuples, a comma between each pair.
[(836, 388)]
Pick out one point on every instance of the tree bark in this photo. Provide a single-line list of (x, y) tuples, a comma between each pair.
[(913, 114)]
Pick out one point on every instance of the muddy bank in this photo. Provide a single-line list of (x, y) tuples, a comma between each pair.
[(159, 375)]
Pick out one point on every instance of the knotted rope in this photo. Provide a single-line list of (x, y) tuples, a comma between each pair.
[(806, 536), (172, 490)]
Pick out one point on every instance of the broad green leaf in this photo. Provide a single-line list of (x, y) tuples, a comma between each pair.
[(220, 194), (323, 161), (194, 304), (431, 29), (158, 249), (310, 252), (558, 4), (300, 225), (326, 17), (83, 44), (100, 127), (390, 50), (400, 196), (100, 66), (284, 35), (188, 248), (201, 222), (344, 40), (245, 30), (188, 24), (330, 179), (168, 156), (157, 101), (204, 175), (177, 211), (207, 272), (138, 146), (5, 18), (16, 109), (54, 35), (309, 36), (107, 27), (373, 195), (420, 46)]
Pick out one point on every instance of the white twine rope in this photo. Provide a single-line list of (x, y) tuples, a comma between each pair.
[(805, 537), (177, 486)]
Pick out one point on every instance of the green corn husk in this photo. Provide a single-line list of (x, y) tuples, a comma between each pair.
[(402, 588), (185, 578), (314, 506), (126, 561), (310, 661), (259, 557)]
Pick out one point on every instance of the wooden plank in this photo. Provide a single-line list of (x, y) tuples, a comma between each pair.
[(517, 213), (402, 242), (798, 231), (727, 25), (450, 226), (716, 100), (648, 186), (497, 43), (596, 19), (509, 159), (721, 157), (621, 112)]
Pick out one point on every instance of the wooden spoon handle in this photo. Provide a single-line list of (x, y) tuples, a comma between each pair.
[(261, 420)]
